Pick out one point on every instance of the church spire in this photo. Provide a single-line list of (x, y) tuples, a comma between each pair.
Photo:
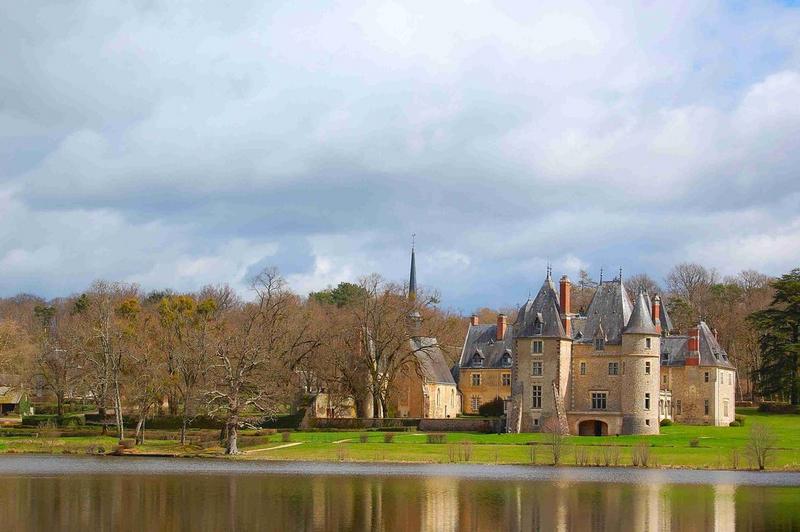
[(412, 278)]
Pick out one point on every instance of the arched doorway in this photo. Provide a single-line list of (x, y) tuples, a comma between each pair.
[(593, 427)]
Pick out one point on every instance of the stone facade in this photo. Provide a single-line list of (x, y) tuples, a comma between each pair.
[(601, 373)]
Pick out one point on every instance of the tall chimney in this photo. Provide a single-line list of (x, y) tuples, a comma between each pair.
[(502, 325), (656, 313), (693, 347), (564, 296), (474, 319)]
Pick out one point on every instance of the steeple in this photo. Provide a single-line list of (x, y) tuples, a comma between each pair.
[(412, 278)]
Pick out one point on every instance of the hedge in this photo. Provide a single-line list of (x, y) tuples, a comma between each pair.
[(779, 408), (175, 422), (60, 421)]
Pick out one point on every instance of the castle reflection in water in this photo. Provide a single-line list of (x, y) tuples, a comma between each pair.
[(356, 502)]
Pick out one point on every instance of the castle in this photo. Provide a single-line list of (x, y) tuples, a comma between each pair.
[(617, 369)]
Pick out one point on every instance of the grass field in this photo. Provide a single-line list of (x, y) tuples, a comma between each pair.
[(712, 448)]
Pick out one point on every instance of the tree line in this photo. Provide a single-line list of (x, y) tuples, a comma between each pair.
[(214, 352)]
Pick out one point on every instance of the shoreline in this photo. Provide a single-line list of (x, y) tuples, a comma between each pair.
[(43, 464)]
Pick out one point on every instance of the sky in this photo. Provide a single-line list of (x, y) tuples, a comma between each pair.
[(184, 143)]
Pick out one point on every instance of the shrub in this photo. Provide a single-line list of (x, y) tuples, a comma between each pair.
[(740, 418), (388, 437), (779, 408), (492, 408), (666, 422), (363, 437), (68, 420), (436, 437), (734, 423), (581, 456), (694, 442), (286, 436), (466, 450), (641, 454)]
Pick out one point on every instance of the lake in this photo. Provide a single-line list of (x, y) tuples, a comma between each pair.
[(111, 493)]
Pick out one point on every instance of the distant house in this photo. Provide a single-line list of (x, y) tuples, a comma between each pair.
[(13, 399), (483, 372)]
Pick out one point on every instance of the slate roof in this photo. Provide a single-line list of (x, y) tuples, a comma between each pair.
[(640, 322), (481, 339), (541, 316), (674, 350), (431, 360), (608, 313), (666, 321)]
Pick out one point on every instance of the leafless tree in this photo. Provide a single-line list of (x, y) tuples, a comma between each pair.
[(760, 445), (188, 327), (256, 349), (642, 281), (380, 327)]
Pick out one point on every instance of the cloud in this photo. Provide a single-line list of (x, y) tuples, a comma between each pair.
[(178, 145)]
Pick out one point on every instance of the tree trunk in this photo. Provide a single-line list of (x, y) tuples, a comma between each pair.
[(231, 446), (118, 411), (102, 411), (183, 430), (60, 404), (140, 430)]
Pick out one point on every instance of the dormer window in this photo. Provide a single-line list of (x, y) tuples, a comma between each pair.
[(537, 324), (599, 344), (506, 360), (477, 360)]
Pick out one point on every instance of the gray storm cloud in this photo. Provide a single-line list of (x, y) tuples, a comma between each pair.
[(179, 144)]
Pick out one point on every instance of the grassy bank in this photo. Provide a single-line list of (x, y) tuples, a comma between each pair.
[(677, 446)]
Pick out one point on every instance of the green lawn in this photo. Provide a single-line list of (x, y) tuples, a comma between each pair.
[(719, 447)]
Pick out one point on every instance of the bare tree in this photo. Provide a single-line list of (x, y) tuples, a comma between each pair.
[(642, 281), (257, 347), (187, 325), (381, 325), (760, 444), (555, 438), (57, 359)]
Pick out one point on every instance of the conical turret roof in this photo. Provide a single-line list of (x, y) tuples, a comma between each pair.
[(641, 322)]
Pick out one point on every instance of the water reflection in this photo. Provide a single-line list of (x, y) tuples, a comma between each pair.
[(339, 502)]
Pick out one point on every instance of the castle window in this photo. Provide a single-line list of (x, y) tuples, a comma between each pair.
[(477, 360), (536, 368), (583, 368), (536, 397), (678, 409), (705, 407), (536, 422), (647, 368), (599, 344), (475, 403), (599, 400), (725, 408), (476, 379), (664, 379), (537, 326), (537, 347), (613, 368), (506, 361), (647, 422), (705, 377), (506, 379), (647, 343), (647, 401)]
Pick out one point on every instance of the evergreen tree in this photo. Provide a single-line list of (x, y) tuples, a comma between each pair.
[(779, 332)]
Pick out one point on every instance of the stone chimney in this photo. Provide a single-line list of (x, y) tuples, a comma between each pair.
[(656, 313), (564, 299), (474, 320), (502, 325), (693, 347)]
